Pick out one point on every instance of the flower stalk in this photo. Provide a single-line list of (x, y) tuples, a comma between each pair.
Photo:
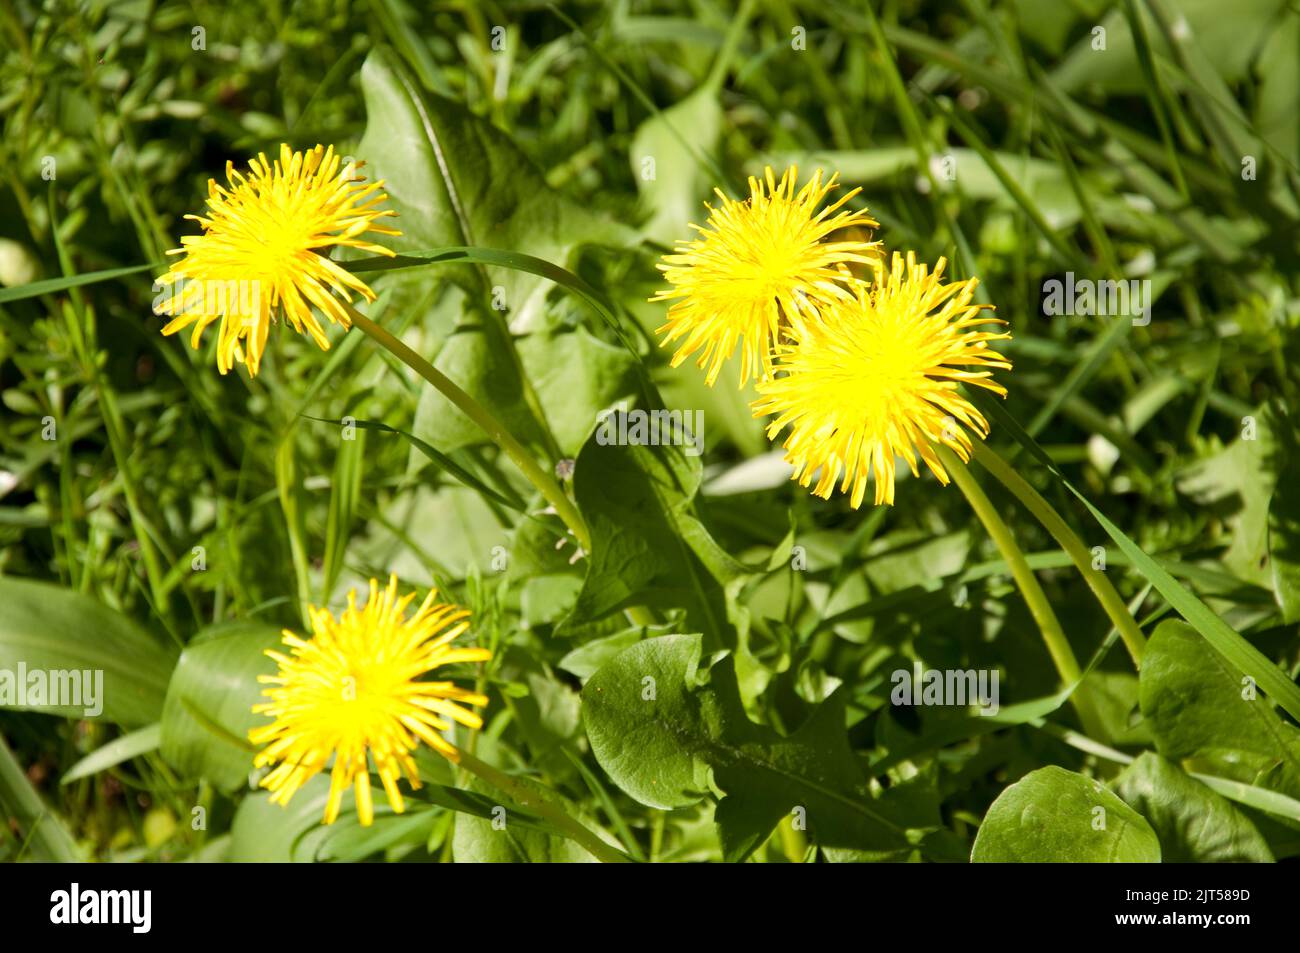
[(1079, 554), (1058, 646), (536, 474)]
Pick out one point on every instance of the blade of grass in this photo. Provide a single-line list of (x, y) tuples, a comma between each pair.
[(45, 834), (1013, 188), (1272, 802), (418, 58), (441, 459), (345, 491), (117, 751), (290, 491), (914, 127), (53, 285), (1156, 94), (1229, 643), (1101, 348), (81, 327)]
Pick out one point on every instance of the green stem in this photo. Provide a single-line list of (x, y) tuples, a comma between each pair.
[(530, 800), (1079, 554), (536, 474), (730, 44), (1058, 646)]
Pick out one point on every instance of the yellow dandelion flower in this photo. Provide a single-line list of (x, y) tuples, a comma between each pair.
[(761, 265), (355, 688), (878, 378), (264, 252)]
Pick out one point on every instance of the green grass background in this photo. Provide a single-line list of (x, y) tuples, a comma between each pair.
[(1171, 156)]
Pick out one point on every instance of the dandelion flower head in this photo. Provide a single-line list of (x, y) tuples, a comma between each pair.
[(760, 266), (356, 691), (264, 252), (878, 378)]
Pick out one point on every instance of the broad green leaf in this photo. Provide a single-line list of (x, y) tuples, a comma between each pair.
[(209, 703), (120, 749), (1238, 652), (587, 659), (1230, 42), (477, 357), (481, 363), (667, 732), (263, 832), (1203, 712), (51, 630), (576, 376), (726, 412), (458, 180), (1056, 816), (1279, 71), (1284, 540), (396, 19), (910, 559), (510, 260), (647, 547), (428, 534), (1192, 822), (638, 741), (1115, 695), (1238, 483), (915, 801), (546, 600), (667, 174), (349, 842), (536, 553)]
